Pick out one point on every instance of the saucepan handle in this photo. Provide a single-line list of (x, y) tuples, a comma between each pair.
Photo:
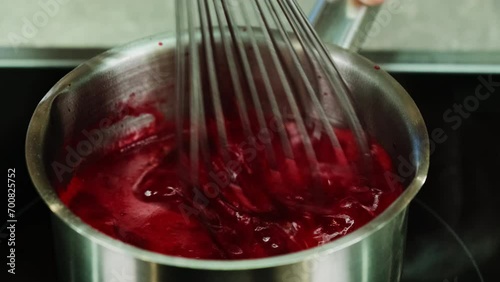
[(343, 22)]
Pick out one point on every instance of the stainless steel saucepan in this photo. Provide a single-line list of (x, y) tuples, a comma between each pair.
[(89, 94)]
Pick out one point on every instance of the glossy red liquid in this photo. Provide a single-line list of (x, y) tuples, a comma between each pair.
[(247, 207)]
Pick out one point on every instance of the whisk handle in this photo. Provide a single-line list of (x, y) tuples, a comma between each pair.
[(343, 22)]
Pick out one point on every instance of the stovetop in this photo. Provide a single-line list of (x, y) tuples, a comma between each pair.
[(454, 225)]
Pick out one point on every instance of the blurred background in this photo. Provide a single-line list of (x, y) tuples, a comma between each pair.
[(423, 31), (445, 25)]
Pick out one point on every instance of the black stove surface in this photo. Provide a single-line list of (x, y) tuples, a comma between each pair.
[(454, 225)]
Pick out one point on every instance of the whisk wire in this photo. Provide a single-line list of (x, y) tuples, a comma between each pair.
[(287, 148), (337, 84), (247, 70), (196, 103), (233, 71), (207, 38), (296, 57), (180, 75), (312, 94), (271, 44)]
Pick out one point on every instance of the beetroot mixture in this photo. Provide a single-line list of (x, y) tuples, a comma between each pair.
[(243, 205)]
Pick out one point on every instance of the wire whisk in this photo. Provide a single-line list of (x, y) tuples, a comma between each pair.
[(259, 63)]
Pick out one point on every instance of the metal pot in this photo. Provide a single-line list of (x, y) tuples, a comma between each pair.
[(89, 94)]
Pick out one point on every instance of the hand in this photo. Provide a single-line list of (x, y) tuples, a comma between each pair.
[(370, 2)]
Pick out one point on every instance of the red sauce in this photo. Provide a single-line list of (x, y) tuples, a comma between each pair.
[(247, 208)]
